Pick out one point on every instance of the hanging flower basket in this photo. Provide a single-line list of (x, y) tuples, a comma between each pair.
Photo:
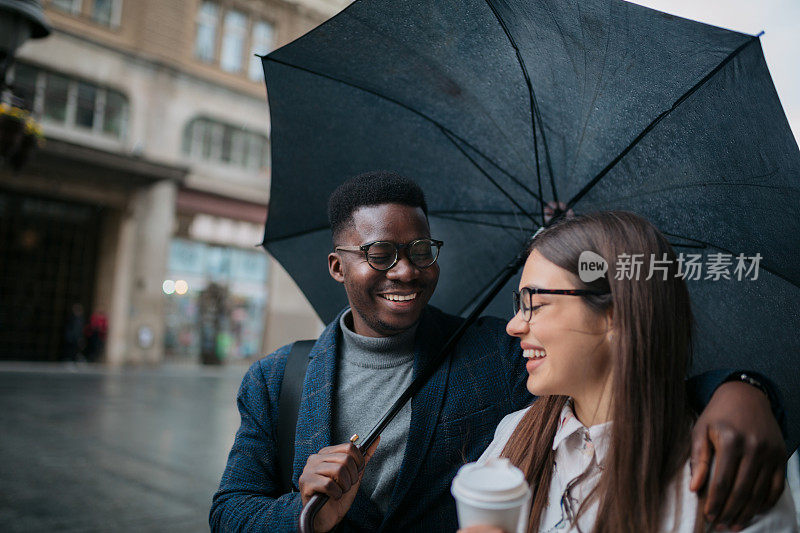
[(12, 128), (19, 135)]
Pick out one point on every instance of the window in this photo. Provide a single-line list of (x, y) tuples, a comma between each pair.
[(70, 6), (227, 138), (56, 94), (106, 12), (255, 156), (262, 44), (234, 33), (238, 141), (71, 102), (24, 84), (115, 109), (232, 27), (207, 135), (211, 140), (87, 98), (206, 39)]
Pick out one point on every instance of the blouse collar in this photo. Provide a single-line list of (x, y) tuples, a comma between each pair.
[(591, 440)]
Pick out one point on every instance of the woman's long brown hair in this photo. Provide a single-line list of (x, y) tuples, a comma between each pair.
[(651, 354)]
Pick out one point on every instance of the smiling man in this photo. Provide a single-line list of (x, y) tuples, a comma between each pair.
[(387, 294), (386, 259)]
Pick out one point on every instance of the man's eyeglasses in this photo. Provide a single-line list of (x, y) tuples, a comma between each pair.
[(383, 255), (523, 300)]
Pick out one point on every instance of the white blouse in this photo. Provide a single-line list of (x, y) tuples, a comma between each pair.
[(580, 449)]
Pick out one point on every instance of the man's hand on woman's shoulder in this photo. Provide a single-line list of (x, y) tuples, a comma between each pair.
[(738, 431)]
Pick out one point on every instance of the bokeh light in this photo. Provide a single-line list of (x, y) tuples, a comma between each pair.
[(181, 287), (168, 286)]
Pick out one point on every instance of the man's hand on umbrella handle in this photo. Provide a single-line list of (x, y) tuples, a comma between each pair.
[(737, 429), (335, 471)]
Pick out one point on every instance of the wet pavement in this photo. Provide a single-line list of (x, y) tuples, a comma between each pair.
[(85, 448), (93, 449)]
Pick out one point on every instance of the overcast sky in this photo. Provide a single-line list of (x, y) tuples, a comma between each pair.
[(780, 21)]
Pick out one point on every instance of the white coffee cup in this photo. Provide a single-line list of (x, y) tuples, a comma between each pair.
[(493, 493)]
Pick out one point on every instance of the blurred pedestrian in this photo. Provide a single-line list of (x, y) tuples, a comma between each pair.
[(95, 334), (73, 334)]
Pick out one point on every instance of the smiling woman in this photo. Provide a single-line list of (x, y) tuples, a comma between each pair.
[(606, 446)]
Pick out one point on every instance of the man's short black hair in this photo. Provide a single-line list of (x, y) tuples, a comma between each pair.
[(371, 188)]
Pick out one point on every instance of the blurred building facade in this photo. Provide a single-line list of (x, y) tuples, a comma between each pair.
[(146, 204)]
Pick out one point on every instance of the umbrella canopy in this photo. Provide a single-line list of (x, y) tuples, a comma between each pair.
[(497, 106)]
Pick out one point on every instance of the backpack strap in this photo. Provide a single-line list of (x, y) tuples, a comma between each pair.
[(289, 407)]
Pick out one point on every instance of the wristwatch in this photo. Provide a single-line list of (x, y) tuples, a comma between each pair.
[(750, 380), (759, 382)]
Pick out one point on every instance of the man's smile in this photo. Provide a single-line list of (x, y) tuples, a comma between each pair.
[(395, 297)]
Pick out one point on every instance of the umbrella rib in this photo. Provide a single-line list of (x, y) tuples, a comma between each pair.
[(487, 176), (450, 134), (597, 89), (708, 184), (700, 244), (712, 245), (535, 113), (452, 137), (694, 246), (485, 288), (480, 292), (479, 223), (658, 119)]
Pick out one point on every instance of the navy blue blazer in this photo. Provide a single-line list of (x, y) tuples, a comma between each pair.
[(453, 419)]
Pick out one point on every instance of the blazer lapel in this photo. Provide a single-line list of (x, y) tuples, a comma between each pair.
[(314, 417), (425, 406), (314, 420)]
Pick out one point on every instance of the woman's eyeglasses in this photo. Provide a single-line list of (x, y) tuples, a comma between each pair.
[(383, 255), (523, 300)]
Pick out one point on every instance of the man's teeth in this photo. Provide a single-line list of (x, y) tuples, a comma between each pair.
[(533, 354), (399, 297)]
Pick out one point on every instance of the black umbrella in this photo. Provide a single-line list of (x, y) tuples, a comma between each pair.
[(498, 106)]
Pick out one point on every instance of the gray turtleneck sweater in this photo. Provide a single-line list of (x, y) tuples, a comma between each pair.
[(371, 374)]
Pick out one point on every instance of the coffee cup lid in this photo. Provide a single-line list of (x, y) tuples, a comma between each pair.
[(496, 480)]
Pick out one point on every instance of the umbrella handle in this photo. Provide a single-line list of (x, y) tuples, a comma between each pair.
[(310, 511)]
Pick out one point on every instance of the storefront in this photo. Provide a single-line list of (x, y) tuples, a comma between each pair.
[(215, 301), (215, 289)]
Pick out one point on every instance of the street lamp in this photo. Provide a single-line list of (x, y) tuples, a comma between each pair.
[(20, 20)]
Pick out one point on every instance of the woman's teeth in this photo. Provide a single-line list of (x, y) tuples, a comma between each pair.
[(533, 354), (399, 297)]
